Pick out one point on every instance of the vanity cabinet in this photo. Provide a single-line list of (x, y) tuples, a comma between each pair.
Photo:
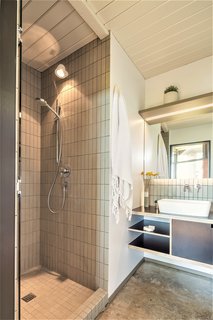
[(192, 240), (173, 237)]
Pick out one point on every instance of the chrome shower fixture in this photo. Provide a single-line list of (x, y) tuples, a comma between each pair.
[(44, 103), (61, 71), (64, 172)]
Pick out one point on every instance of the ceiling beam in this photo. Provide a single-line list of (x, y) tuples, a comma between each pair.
[(90, 17)]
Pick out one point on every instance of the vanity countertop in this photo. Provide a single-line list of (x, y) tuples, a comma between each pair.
[(150, 212)]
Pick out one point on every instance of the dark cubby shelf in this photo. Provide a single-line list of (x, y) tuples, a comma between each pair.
[(151, 242), (161, 227)]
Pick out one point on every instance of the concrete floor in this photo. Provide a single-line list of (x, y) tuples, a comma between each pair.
[(157, 292)]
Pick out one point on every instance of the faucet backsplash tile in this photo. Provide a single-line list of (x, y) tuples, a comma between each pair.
[(174, 188)]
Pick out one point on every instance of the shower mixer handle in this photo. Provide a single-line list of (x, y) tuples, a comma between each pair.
[(65, 185), (65, 172)]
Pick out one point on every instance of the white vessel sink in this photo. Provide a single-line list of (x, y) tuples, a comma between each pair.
[(194, 208)]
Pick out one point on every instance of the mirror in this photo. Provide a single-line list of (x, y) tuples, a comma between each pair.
[(180, 148)]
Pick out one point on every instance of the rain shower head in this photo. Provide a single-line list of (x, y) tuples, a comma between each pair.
[(44, 103), (61, 71)]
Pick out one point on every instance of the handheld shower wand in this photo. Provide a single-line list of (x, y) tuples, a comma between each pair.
[(45, 104)]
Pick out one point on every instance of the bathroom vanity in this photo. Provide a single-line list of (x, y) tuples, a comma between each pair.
[(178, 140), (175, 236)]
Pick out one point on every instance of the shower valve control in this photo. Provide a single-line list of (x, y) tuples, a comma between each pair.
[(65, 172)]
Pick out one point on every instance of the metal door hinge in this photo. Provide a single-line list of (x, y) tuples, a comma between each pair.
[(19, 34), (18, 185)]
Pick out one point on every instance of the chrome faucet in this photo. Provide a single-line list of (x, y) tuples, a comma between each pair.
[(197, 187), (186, 187)]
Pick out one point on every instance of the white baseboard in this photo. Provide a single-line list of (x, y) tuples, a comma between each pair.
[(182, 264)]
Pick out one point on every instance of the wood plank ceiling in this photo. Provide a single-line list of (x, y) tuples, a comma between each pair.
[(157, 35), (51, 31)]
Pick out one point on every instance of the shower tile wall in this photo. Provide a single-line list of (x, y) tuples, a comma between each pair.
[(174, 188), (30, 169), (74, 242)]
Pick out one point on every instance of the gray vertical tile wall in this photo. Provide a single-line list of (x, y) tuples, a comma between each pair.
[(74, 242), (30, 169), (174, 189)]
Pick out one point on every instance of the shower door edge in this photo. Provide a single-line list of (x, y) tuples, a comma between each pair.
[(17, 301), (8, 104)]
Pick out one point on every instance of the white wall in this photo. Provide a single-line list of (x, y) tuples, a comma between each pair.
[(124, 74), (192, 79)]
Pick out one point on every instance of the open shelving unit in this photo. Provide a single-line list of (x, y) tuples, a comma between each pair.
[(157, 240), (150, 242)]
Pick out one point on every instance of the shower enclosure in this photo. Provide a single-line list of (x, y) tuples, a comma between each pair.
[(61, 257), (64, 154)]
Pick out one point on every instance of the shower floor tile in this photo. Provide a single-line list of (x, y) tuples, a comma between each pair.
[(56, 297)]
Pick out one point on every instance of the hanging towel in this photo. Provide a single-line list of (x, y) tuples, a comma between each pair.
[(162, 159), (122, 182)]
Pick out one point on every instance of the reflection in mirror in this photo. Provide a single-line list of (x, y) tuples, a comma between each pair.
[(181, 149), (190, 160)]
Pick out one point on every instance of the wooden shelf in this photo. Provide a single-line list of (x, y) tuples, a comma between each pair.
[(149, 232), (179, 110), (162, 229), (144, 250), (152, 243)]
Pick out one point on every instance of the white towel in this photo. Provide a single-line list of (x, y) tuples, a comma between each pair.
[(122, 182), (162, 159)]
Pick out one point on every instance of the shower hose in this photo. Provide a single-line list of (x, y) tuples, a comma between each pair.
[(58, 161)]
